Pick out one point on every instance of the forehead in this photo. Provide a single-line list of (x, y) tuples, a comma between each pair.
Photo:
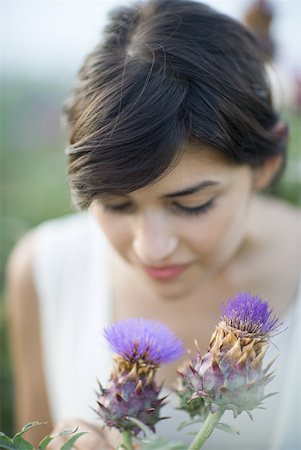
[(196, 165)]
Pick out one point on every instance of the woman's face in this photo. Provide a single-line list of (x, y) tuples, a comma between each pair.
[(184, 228)]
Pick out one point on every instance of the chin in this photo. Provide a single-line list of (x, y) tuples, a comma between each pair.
[(174, 291)]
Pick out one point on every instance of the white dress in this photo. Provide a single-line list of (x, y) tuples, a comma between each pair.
[(73, 285)]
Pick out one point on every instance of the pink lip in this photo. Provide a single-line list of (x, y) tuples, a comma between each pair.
[(165, 273)]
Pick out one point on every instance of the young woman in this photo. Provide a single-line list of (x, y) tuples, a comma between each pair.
[(172, 138)]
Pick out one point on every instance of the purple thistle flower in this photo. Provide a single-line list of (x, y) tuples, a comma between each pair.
[(141, 346), (138, 338), (250, 313), (231, 374)]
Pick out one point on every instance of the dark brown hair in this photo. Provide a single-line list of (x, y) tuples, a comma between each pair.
[(167, 72)]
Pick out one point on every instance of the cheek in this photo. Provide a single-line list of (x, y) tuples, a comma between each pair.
[(205, 236), (220, 232), (116, 229)]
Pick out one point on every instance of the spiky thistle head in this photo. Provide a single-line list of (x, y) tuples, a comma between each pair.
[(141, 346), (230, 375)]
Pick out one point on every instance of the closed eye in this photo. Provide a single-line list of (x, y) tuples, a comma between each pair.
[(130, 208), (195, 210), (123, 208)]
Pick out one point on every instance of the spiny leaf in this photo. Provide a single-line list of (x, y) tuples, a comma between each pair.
[(155, 442), (3, 435), (21, 444), (227, 428), (28, 427), (6, 446), (6, 442), (18, 442), (152, 441), (69, 444), (189, 422), (64, 432), (44, 442), (146, 430)]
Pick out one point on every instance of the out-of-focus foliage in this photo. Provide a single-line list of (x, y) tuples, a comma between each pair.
[(33, 187), (18, 442), (288, 186)]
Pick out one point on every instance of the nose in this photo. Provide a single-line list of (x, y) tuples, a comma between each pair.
[(154, 239)]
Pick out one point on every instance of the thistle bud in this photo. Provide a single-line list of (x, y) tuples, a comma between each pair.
[(141, 346), (231, 374), (185, 387)]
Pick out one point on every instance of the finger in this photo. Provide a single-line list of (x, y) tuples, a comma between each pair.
[(110, 436)]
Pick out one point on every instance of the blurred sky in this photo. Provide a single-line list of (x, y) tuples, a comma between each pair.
[(49, 38)]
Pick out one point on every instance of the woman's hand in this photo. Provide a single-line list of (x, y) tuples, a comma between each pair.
[(97, 438)]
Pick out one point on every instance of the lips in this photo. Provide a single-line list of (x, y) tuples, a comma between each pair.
[(165, 273)]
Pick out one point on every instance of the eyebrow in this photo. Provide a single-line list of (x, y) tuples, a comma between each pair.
[(192, 189)]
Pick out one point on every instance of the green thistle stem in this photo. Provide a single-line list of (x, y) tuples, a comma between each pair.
[(126, 438), (206, 430)]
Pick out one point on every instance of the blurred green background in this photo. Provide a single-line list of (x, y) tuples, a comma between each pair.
[(33, 173), (33, 186)]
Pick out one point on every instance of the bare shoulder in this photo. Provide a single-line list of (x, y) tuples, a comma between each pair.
[(23, 316), (18, 268), (20, 292)]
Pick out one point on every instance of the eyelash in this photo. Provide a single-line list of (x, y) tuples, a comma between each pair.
[(196, 210), (126, 208)]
